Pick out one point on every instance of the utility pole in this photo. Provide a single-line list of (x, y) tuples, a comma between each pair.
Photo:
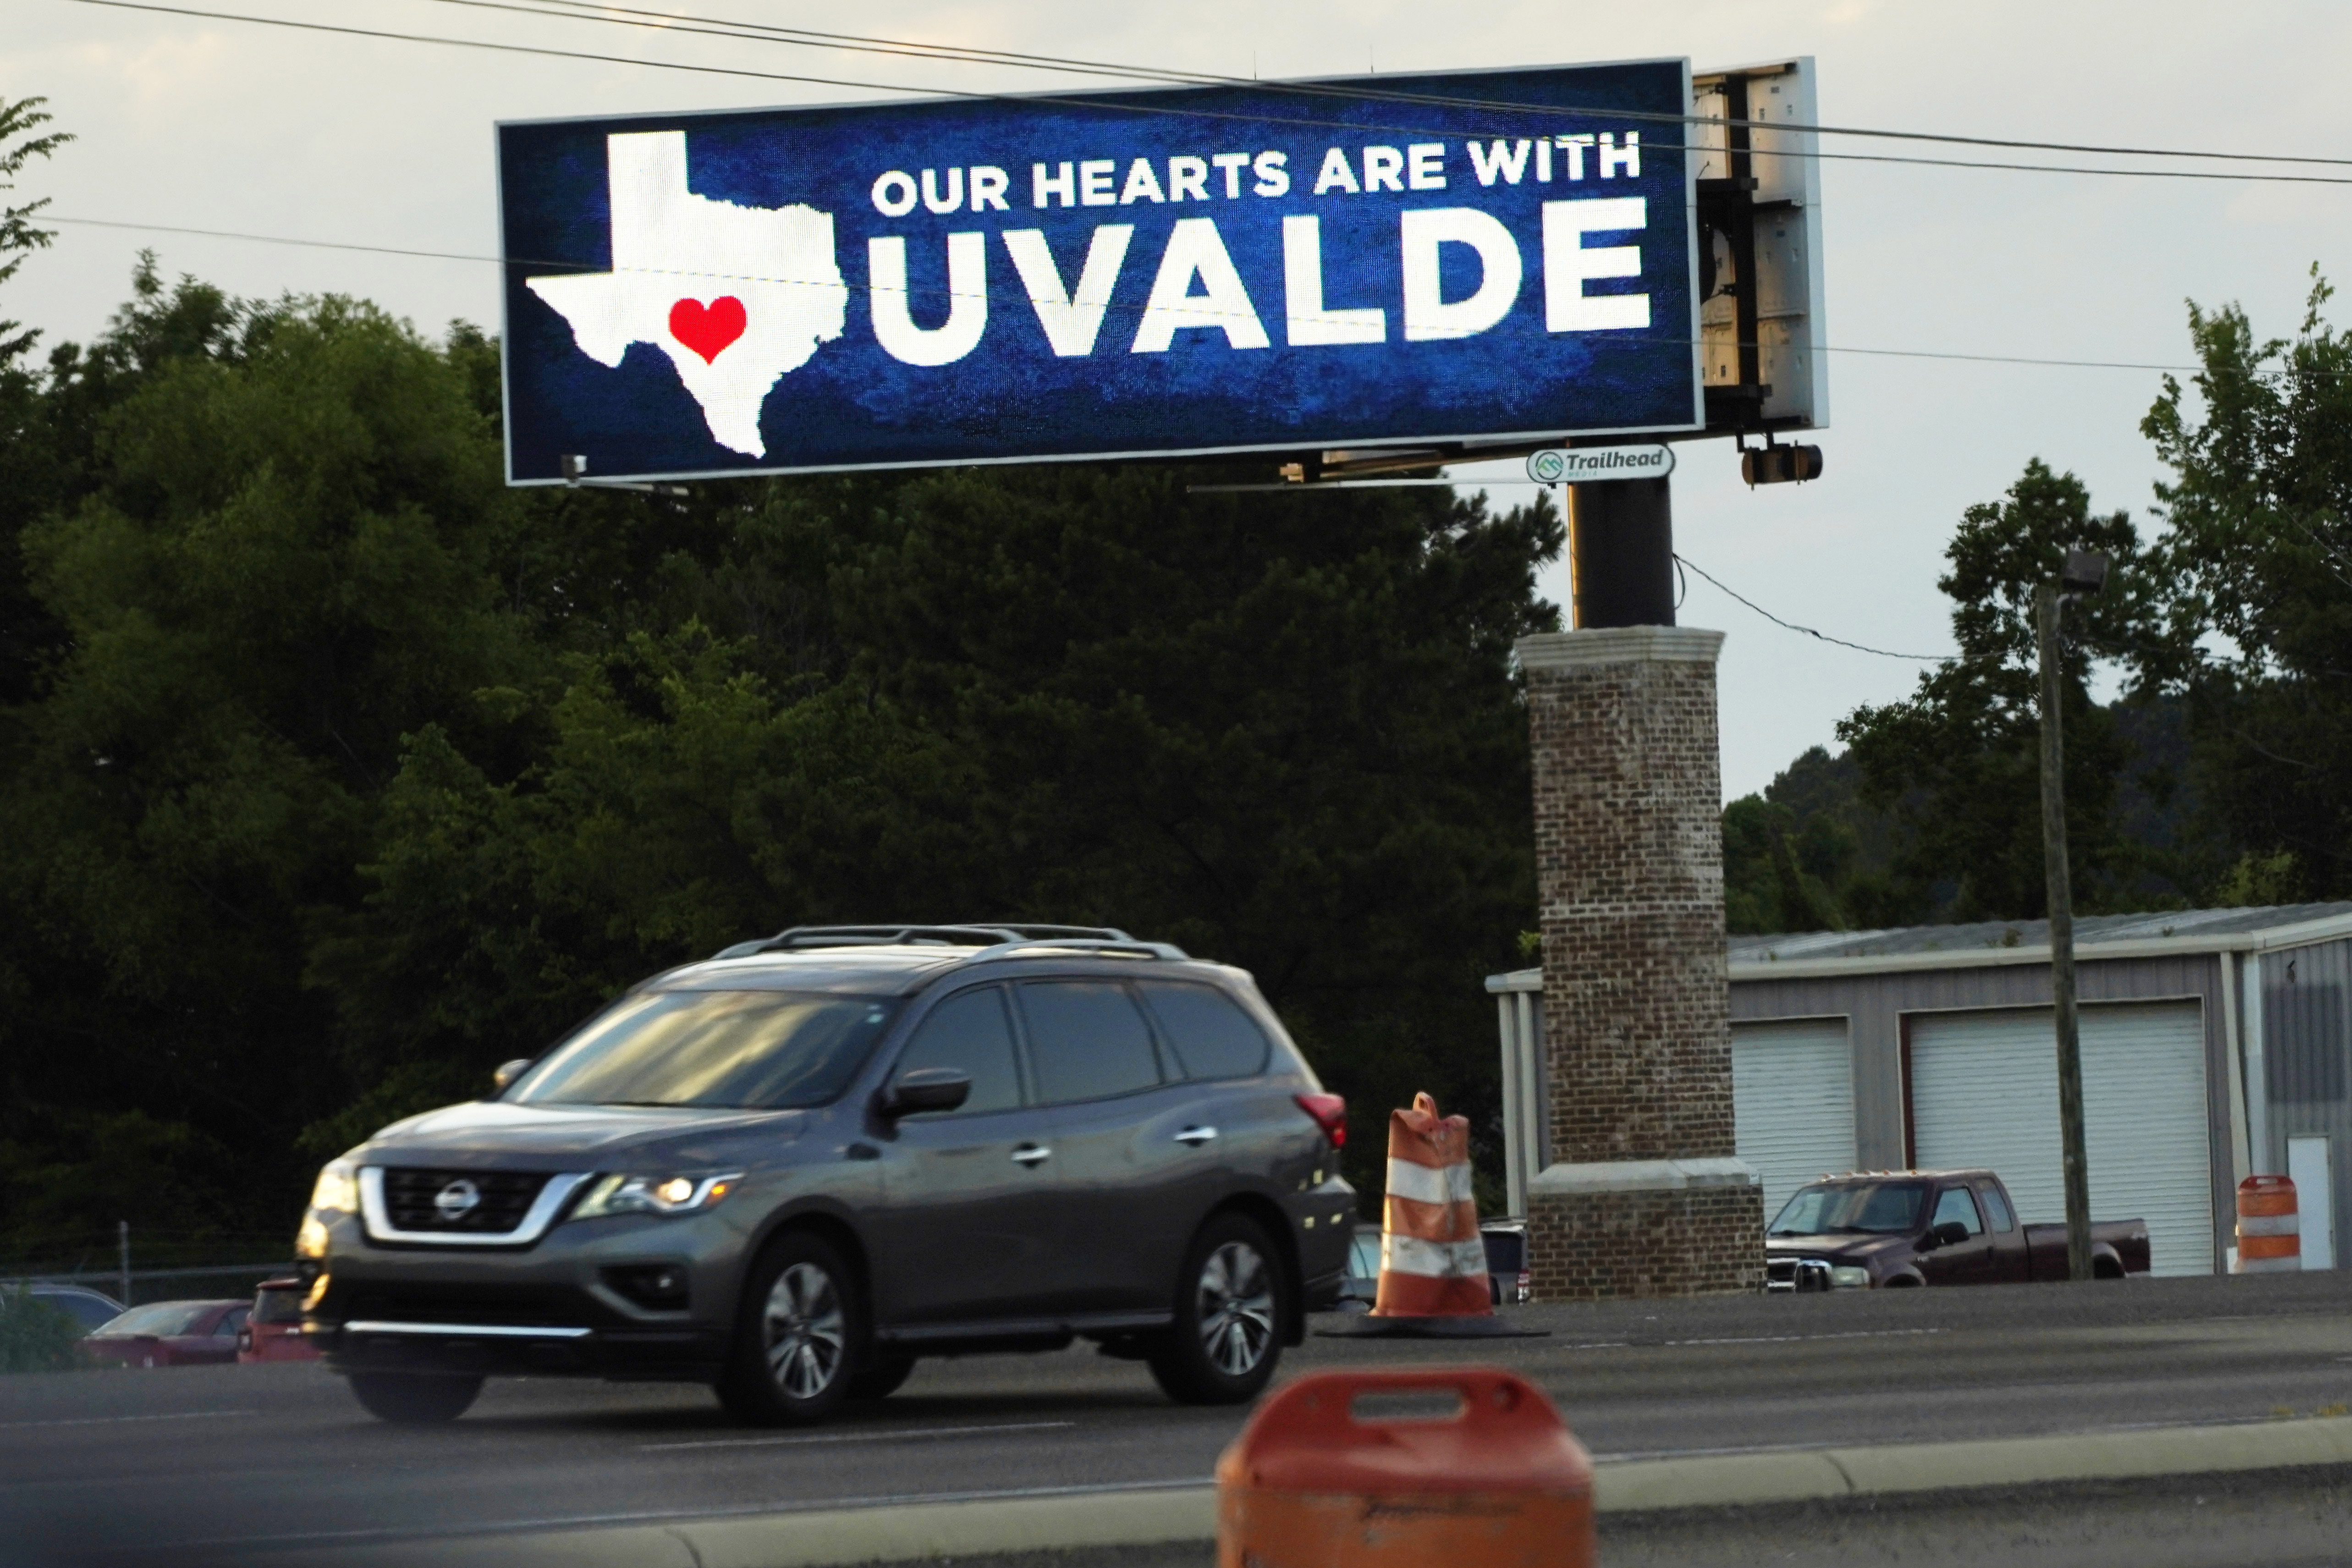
[(2085, 571)]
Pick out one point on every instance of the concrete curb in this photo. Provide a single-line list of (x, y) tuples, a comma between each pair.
[(980, 1527), (1800, 1476)]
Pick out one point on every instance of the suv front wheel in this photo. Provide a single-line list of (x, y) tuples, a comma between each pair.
[(1229, 1313), (799, 1330)]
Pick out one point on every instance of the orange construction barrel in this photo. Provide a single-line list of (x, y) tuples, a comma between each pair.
[(2269, 1230), (1317, 1481)]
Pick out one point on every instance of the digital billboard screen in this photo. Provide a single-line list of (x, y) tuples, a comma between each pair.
[(1384, 260)]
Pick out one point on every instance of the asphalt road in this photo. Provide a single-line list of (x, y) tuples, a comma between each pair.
[(122, 1465)]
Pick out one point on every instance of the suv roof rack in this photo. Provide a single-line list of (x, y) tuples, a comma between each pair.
[(988, 935), (1129, 948)]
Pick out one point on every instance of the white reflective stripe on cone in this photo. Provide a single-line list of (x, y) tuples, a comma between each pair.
[(2270, 1225), (1429, 1184), (2270, 1265), (1436, 1259)]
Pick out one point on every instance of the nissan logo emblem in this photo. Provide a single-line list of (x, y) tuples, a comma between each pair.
[(456, 1201)]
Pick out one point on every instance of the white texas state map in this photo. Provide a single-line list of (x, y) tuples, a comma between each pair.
[(737, 297)]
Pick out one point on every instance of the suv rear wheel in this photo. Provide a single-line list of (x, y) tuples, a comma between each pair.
[(800, 1330), (1229, 1311), (414, 1399)]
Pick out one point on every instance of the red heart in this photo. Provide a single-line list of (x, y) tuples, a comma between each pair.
[(707, 328)]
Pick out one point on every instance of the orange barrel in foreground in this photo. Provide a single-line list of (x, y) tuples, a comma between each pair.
[(2269, 1229), (1314, 1482)]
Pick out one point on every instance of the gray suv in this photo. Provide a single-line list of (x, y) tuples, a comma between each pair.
[(793, 1170)]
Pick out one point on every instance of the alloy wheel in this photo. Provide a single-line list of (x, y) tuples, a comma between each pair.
[(805, 1330), (1236, 1308)]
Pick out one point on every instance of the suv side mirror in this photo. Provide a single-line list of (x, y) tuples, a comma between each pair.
[(1952, 1233), (927, 1089), (509, 1071)]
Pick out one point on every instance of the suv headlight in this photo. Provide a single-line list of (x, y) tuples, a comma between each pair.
[(654, 1194), (337, 1188), (336, 1192), (1849, 1276)]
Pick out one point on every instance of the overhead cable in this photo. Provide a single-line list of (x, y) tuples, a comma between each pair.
[(1824, 636), (668, 21), (476, 258), (1136, 108)]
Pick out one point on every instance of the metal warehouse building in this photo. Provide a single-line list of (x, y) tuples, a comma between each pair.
[(2215, 1043)]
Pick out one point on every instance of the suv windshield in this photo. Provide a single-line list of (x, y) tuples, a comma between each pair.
[(1888, 1208), (763, 1050)]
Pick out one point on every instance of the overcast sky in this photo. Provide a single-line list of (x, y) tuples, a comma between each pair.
[(226, 125)]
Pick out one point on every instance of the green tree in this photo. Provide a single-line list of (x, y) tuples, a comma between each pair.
[(2257, 558), (276, 551), (33, 1335), (1957, 764), (24, 633), (1282, 734), (346, 771)]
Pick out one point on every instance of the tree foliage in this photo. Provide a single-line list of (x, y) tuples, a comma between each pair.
[(2257, 556), (2222, 775), (1957, 764), (341, 771)]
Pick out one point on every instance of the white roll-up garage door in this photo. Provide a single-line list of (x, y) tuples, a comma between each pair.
[(1984, 1091), (1793, 1103)]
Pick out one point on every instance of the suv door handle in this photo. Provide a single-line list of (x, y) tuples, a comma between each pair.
[(1032, 1154), (1196, 1136)]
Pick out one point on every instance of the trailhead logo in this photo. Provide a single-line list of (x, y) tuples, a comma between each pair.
[(737, 297)]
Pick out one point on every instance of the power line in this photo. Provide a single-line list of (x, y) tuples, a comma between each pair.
[(1145, 109), (597, 11), (1824, 636), (477, 258)]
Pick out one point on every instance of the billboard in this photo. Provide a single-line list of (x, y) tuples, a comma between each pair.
[(1385, 260)]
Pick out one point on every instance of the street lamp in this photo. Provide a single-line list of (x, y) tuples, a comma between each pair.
[(2085, 571)]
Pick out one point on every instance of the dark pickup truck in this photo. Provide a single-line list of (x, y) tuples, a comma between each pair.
[(1889, 1229)]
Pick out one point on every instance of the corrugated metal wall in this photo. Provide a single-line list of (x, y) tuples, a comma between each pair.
[(1876, 1005), (2307, 1060)]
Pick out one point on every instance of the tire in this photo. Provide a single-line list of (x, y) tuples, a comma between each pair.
[(1231, 1299), (415, 1400), (799, 1335), (881, 1379)]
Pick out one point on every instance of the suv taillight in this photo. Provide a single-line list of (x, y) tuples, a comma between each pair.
[(1330, 1113)]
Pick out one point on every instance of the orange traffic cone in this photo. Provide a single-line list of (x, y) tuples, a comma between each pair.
[(1434, 1282)]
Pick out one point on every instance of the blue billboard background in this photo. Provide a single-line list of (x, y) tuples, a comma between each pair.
[(610, 367)]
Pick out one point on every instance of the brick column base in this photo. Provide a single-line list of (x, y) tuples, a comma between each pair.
[(1644, 1228)]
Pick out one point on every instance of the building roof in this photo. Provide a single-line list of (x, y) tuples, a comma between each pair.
[(1798, 954), (2090, 931)]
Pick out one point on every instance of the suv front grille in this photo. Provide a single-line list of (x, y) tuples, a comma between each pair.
[(417, 1199)]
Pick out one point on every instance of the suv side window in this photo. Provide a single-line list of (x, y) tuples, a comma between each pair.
[(1088, 1040), (1957, 1205), (1213, 1036), (970, 1033)]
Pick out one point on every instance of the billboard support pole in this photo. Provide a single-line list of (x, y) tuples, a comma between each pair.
[(1622, 553)]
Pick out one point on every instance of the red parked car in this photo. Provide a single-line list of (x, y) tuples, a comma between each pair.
[(274, 1331), (169, 1333)]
